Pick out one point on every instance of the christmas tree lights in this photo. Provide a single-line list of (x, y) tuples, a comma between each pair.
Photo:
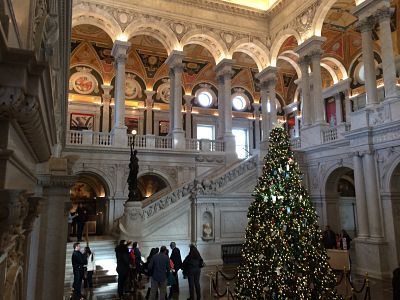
[(283, 256)]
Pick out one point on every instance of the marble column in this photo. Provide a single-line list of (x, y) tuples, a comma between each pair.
[(265, 122), (119, 52), (174, 61), (171, 75), (267, 79), (372, 195), (361, 203), (272, 101), (365, 27), (188, 116), (347, 105), (221, 120), (307, 109), (106, 97), (319, 107), (149, 111), (224, 70), (338, 106), (141, 111), (388, 64), (257, 133), (296, 125), (53, 231)]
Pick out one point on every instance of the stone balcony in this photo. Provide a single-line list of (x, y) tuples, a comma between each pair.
[(88, 138)]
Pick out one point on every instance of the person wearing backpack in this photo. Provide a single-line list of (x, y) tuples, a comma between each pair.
[(90, 269)]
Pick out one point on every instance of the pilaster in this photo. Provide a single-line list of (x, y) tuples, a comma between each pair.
[(174, 61), (149, 111), (188, 115), (106, 97), (119, 52)]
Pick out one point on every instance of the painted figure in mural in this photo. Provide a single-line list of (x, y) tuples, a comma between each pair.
[(132, 178)]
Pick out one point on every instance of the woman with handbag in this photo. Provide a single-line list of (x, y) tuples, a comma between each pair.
[(191, 269), (90, 268)]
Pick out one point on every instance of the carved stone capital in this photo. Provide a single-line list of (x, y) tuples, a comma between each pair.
[(366, 24), (35, 206), (120, 51), (11, 102), (65, 181), (384, 14)]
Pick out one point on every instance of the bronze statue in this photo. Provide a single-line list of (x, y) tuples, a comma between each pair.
[(132, 178)]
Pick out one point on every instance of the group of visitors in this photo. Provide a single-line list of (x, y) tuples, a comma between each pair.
[(334, 240), (83, 265), (77, 219), (161, 269)]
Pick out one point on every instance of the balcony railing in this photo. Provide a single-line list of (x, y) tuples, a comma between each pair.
[(295, 143), (329, 135), (105, 139)]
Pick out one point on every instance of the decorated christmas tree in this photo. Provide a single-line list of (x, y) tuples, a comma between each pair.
[(283, 256)]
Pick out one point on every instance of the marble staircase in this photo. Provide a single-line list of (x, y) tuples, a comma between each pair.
[(106, 263)]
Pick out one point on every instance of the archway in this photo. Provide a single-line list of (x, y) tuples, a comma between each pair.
[(92, 193), (395, 208), (150, 184), (340, 201)]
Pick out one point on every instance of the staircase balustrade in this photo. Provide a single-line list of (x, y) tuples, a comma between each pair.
[(206, 186)]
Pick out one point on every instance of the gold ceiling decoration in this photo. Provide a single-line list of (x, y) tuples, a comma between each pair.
[(257, 4)]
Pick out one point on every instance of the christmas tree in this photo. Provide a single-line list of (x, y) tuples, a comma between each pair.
[(283, 256)]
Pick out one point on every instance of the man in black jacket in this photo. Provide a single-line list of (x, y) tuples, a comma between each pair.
[(78, 261), (177, 260), (123, 260)]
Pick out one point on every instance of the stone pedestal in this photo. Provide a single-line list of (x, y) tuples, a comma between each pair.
[(230, 147), (312, 135), (178, 139), (119, 136), (55, 186), (371, 257), (131, 222)]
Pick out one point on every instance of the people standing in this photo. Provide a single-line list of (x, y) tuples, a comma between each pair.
[(329, 238), (71, 217), (79, 260), (138, 261), (192, 269), (90, 269), (122, 254), (146, 269), (81, 220), (345, 240), (159, 266), (177, 260)]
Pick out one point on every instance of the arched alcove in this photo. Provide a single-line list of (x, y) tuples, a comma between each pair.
[(150, 184), (340, 200)]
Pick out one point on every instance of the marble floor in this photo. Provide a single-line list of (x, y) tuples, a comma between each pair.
[(380, 289)]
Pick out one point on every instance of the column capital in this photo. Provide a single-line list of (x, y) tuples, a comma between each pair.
[(256, 107), (268, 74), (120, 50), (368, 8), (384, 13), (106, 89), (224, 68), (188, 99), (310, 46), (365, 24), (149, 95), (174, 60)]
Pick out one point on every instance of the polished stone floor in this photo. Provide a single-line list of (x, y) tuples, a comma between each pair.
[(380, 289)]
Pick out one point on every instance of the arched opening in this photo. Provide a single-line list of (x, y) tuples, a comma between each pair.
[(340, 201), (90, 192), (289, 73), (150, 184), (395, 207)]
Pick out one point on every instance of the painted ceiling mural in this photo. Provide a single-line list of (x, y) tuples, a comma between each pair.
[(91, 47)]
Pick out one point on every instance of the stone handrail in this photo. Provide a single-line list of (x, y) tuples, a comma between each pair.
[(88, 137), (195, 187)]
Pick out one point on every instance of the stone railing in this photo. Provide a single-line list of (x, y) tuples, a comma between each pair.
[(88, 137), (206, 186), (329, 135), (295, 143), (105, 139)]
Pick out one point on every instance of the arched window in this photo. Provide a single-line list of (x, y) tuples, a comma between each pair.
[(205, 99)]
